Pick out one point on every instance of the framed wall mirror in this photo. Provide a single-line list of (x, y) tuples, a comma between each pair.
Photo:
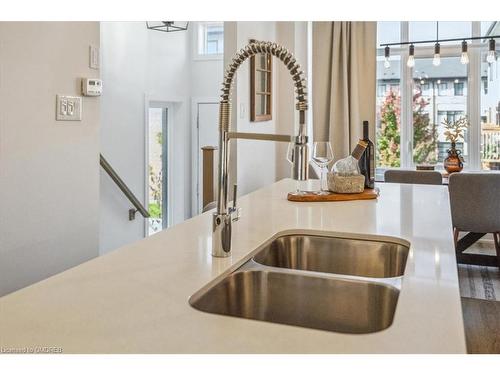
[(261, 87)]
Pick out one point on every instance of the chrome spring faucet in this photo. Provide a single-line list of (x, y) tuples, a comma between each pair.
[(223, 218)]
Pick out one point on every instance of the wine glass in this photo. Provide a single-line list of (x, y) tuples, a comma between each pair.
[(322, 156)]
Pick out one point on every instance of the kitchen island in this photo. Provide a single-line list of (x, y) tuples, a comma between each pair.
[(135, 299)]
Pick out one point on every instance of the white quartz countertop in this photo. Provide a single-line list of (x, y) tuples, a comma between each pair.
[(135, 299)]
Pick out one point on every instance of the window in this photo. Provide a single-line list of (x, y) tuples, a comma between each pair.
[(214, 40), (490, 114), (409, 120), (443, 145), (388, 113), (433, 101), (449, 115), (210, 39), (426, 30), (157, 168), (458, 88), (484, 85), (261, 87), (442, 88), (381, 90)]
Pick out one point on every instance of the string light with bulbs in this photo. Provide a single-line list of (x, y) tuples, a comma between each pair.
[(436, 60)]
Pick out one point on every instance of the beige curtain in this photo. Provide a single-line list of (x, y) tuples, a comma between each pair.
[(344, 74)]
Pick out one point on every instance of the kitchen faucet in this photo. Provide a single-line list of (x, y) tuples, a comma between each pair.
[(224, 216)]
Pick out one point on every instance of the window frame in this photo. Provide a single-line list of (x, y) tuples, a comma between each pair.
[(458, 88), (443, 88), (256, 69), (473, 104), (198, 29)]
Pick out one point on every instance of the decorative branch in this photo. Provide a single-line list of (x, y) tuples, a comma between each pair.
[(455, 129)]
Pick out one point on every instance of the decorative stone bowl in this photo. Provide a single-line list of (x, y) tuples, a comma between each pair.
[(346, 184)]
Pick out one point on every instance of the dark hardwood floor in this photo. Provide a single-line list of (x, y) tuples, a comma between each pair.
[(482, 325)]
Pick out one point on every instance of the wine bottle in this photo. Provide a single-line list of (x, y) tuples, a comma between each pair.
[(367, 160)]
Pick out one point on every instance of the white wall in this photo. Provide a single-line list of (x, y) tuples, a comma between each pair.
[(262, 163), (140, 65), (292, 35), (49, 171), (205, 81), (256, 159), (205, 73), (137, 63)]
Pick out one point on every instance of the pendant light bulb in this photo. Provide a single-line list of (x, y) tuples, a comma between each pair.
[(411, 57), (387, 54), (436, 61), (411, 61), (490, 58), (464, 57)]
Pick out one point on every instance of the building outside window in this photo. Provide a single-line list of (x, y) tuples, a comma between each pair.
[(426, 87), (484, 86), (381, 89), (409, 120)]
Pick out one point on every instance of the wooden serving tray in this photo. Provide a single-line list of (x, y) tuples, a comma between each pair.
[(312, 196)]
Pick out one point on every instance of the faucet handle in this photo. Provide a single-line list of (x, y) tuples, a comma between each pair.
[(234, 211), (235, 191)]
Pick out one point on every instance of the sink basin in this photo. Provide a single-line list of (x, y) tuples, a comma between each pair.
[(332, 304), (358, 257)]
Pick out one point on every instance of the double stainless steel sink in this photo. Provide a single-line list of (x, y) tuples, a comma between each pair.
[(327, 282), (345, 256)]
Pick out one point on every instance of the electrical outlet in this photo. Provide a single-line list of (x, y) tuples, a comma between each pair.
[(94, 57), (243, 111), (68, 108)]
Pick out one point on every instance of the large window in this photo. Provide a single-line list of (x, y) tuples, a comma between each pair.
[(439, 102), (490, 115), (412, 102), (388, 100)]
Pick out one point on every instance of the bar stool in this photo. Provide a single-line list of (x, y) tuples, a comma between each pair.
[(413, 177), (475, 208)]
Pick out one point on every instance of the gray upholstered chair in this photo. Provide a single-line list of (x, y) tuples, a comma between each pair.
[(413, 177), (475, 208)]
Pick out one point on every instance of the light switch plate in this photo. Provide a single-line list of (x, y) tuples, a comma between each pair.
[(243, 111), (68, 108), (94, 58)]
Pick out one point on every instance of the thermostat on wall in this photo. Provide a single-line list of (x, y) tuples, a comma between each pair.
[(91, 87)]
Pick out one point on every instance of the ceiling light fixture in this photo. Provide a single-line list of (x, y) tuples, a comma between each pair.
[(436, 61), (167, 26), (411, 57), (464, 57)]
